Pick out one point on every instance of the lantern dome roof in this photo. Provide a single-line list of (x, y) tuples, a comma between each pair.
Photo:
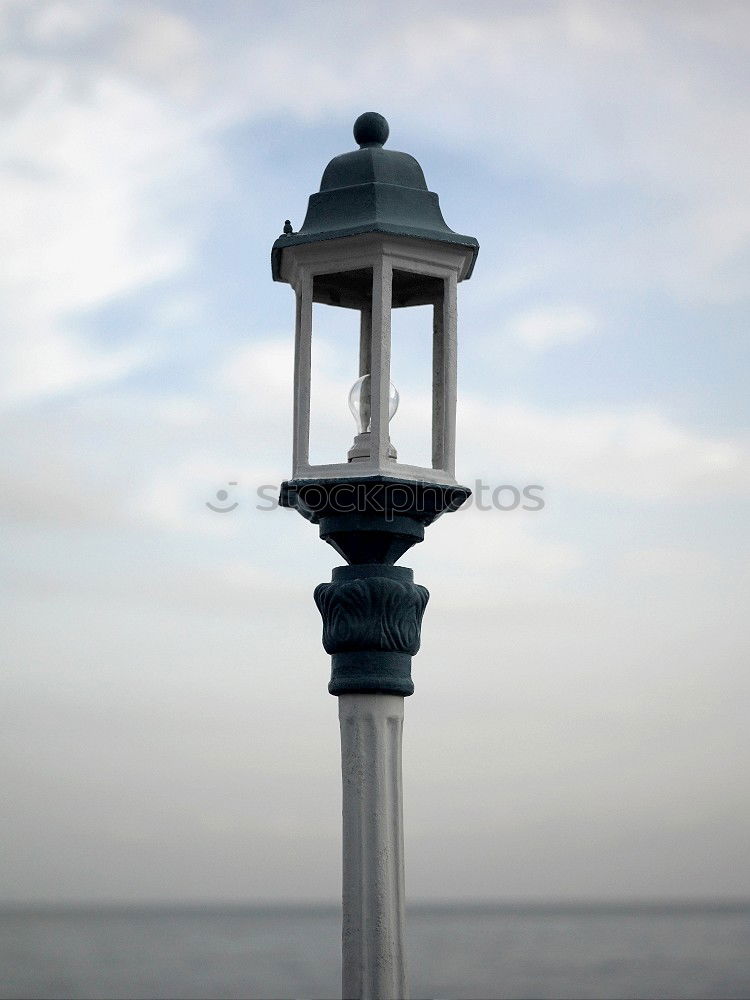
[(371, 190)]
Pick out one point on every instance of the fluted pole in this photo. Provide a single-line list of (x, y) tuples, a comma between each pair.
[(373, 949)]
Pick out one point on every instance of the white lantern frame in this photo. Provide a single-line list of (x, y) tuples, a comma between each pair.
[(383, 255)]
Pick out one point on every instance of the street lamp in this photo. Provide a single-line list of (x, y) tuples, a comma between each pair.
[(373, 240)]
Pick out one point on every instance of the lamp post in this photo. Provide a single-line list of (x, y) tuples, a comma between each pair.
[(373, 240)]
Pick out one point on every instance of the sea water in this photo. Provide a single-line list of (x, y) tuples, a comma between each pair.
[(453, 951)]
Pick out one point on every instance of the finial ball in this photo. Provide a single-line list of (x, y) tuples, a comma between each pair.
[(371, 129)]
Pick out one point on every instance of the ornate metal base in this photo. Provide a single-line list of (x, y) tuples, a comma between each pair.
[(372, 619), (371, 519), (372, 610)]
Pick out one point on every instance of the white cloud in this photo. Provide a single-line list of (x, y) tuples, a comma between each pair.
[(498, 557), (670, 561), (541, 329), (176, 498), (635, 454), (92, 165), (260, 371), (56, 360)]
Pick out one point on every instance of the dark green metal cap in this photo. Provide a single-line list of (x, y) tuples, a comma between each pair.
[(371, 190)]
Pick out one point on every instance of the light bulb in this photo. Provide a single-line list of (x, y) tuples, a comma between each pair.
[(360, 403)]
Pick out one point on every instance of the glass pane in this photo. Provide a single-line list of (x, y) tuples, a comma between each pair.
[(414, 296), (337, 303)]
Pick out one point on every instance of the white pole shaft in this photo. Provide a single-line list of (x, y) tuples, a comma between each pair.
[(373, 951)]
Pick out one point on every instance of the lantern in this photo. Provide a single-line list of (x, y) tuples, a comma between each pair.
[(374, 240)]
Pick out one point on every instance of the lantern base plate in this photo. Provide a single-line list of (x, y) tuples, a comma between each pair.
[(371, 519)]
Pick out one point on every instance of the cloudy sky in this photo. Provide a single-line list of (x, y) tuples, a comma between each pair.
[(579, 727)]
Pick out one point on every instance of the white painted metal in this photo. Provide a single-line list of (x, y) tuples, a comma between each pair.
[(373, 948), (352, 252), (444, 380), (382, 276), (365, 335), (302, 369)]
